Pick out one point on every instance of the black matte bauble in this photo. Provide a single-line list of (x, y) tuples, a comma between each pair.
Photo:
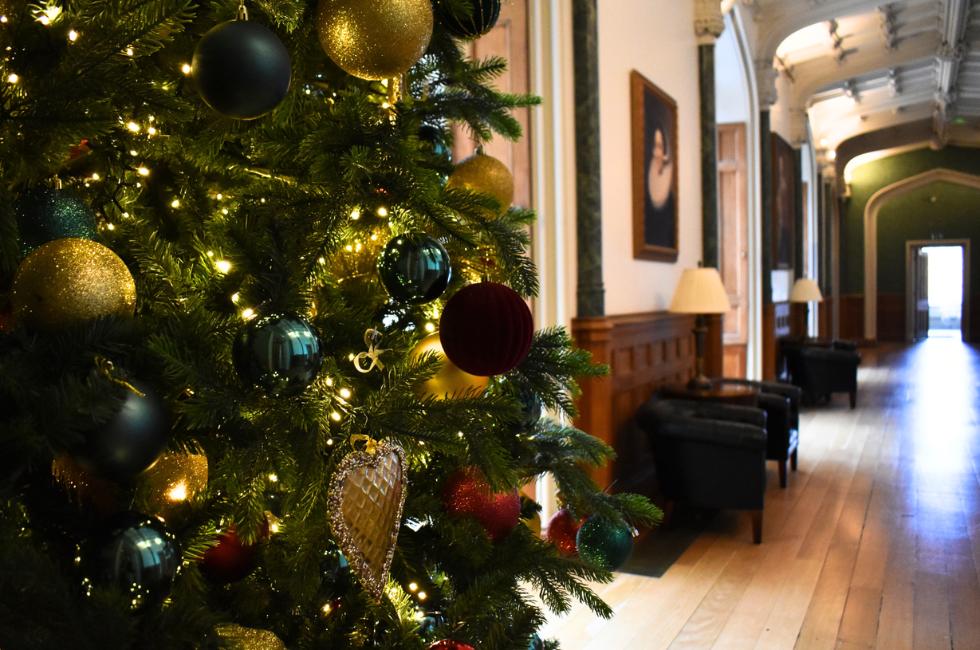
[(131, 441), (469, 24), (242, 69), (414, 268), (136, 553), (44, 215), (280, 354)]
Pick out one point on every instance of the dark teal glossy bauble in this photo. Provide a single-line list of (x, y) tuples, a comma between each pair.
[(136, 553), (44, 215), (242, 69), (604, 543), (414, 268), (132, 440), (280, 354), (468, 22)]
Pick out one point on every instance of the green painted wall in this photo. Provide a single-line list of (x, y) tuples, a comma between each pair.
[(936, 211), (872, 177)]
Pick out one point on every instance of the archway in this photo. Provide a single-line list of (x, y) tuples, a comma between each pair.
[(877, 201)]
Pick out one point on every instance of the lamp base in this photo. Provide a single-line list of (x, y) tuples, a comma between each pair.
[(699, 382)]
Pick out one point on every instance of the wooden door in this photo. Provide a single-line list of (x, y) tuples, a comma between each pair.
[(734, 241), (508, 39), (921, 294)]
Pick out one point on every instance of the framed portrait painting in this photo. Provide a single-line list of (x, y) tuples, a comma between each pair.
[(784, 174), (654, 142)]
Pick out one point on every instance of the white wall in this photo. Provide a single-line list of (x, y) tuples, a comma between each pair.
[(732, 102), (655, 37)]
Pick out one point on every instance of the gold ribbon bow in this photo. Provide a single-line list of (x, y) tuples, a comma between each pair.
[(370, 444), (372, 338)]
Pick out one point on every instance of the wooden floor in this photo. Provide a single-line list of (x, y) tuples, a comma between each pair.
[(874, 544)]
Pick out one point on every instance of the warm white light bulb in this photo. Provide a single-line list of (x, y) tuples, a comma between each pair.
[(223, 266), (186, 68), (12, 78), (73, 36), (178, 492)]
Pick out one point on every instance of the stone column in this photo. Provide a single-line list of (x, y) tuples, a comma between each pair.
[(708, 26), (588, 179), (799, 225)]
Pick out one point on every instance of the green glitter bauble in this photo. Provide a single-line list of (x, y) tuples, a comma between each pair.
[(45, 215), (604, 543)]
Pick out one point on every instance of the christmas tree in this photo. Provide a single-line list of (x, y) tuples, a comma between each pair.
[(268, 376)]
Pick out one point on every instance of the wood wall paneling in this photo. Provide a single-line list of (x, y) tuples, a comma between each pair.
[(734, 361), (776, 323), (852, 317), (891, 317), (644, 352)]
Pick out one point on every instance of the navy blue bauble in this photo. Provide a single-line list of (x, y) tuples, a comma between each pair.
[(131, 441), (242, 69), (44, 215), (137, 554), (604, 543), (280, 354), (414, 268), (469, 24)]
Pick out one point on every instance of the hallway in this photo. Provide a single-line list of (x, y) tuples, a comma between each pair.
[(875, 543)]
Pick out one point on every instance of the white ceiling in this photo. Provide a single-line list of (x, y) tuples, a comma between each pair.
[(859, 66)]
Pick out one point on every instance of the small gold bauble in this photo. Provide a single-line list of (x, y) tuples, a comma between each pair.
[(374, 39), (486, 175), (450, 380), (173, 480), (72, 280), (247, 638)]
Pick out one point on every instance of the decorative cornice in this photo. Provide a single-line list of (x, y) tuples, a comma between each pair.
[(709, 22), (765, 79)]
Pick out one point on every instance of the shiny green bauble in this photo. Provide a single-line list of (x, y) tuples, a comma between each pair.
[(604, 543), (414, 268)]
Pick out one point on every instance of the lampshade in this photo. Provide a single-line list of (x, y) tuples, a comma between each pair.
[(700, 291), (805, 290)]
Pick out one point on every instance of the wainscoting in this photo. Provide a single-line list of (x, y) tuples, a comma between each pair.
[(891, 317), (644, 352), (852, 317)]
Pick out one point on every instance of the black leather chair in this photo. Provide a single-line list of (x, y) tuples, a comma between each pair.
[(781, 402), (822, 368), (709, 455)]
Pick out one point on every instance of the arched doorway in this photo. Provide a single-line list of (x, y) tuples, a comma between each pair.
[(871, 211)]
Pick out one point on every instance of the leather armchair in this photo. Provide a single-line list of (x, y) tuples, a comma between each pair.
[(709, 455), (781, 402), (823, 369)]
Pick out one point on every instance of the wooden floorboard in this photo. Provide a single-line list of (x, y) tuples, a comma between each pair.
[(874, 544)]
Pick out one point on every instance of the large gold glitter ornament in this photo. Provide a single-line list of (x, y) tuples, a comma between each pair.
[(247, 638), (366, 498), (486, 175), (450, 380), (374, 39), (71, 280), (173, 480)]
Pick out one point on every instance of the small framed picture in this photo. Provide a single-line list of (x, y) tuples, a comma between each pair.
[(655, 169), (783, 204)]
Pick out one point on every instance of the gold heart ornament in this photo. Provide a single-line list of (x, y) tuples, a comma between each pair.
[(366, 498)]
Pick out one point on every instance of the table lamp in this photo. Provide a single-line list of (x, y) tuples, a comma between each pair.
[(700, 292), (805, 291)]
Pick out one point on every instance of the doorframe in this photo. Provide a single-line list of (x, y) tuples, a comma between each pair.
[(910, 247)]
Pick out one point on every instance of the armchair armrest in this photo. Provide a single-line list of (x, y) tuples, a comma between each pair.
[(660, 407)]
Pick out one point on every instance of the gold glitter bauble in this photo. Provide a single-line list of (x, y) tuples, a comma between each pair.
[(450, 380), (374, 39), (71, 280), (172, 481), (486, 175), (247, 638)]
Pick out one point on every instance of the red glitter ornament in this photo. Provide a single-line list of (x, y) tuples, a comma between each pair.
[(467, 494), (486, 329), (447, 644), (231, 559), (562, 530)]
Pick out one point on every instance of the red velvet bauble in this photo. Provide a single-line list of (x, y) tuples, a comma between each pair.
[(486, 329), (447, 644), (467, 494), (230, 560), (562, 530)]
